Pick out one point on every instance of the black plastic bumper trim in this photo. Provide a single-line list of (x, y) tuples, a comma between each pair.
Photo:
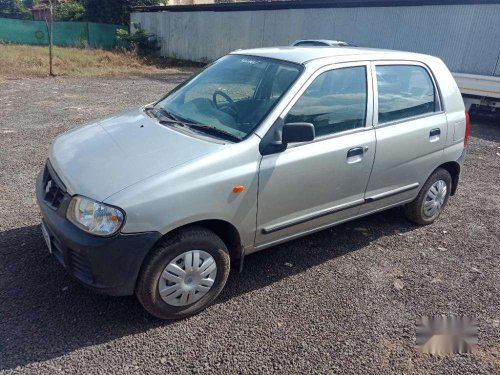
[(109, 265)]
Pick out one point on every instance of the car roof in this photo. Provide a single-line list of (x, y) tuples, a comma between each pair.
[(303, 54)]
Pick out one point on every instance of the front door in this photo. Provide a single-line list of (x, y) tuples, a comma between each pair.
[(314, 184)]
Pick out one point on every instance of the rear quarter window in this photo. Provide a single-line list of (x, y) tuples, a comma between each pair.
[(404, 91)]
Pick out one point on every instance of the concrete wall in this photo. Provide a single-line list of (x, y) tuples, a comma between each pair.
[(466, 37)]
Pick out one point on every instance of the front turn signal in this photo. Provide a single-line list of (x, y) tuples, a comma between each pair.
[(238, 188)]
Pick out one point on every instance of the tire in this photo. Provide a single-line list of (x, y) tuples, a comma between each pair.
[(415, 211), (178, 246)]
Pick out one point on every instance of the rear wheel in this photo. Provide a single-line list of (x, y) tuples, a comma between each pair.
[(431, 200), (183, 274)]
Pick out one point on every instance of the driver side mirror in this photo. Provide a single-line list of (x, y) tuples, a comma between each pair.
[(277, 138), (297, 132)]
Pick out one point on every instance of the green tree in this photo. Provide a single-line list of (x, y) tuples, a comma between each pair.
[(113, 11), (70, 11), (30, 3), (14, 9)]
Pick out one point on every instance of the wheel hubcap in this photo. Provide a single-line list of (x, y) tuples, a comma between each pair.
[(435, 198), (187, 278)]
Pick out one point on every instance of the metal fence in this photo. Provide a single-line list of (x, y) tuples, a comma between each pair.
[(77, 34), (465, 36)]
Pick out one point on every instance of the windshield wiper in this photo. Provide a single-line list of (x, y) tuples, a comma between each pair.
[(203, 128), (209, 129), (160, 113), (165, 117)]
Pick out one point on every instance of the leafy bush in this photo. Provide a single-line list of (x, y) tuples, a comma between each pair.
[(139, 41), (69, 11)]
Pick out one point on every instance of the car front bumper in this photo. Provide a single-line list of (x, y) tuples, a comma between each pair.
[(109, 265)]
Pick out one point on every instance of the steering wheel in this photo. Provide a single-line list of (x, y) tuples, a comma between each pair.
[(230, 105)]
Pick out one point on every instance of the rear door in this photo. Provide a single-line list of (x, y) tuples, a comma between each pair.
[(314, 184), (411, 131)]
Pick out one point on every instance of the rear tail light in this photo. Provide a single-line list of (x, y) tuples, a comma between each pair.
[(467, 129)]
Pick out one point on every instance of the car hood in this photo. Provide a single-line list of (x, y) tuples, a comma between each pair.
[(102, 158)]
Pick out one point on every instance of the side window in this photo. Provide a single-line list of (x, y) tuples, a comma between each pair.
[(404, 91), (334, 102)]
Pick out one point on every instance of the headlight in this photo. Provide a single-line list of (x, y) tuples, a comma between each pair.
[(94, 217)]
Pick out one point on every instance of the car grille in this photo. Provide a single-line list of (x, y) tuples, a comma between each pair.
[(80, 265), (54, 190)]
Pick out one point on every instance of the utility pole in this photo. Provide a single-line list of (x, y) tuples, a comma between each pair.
[(50, 28)]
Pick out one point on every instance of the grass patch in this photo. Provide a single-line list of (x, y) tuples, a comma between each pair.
[(25, 61)]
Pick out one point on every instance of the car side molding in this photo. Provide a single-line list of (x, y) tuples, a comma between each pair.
[(392, 192), (341, 207), (312, 216)]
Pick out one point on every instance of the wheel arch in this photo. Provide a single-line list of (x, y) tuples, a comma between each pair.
[(226, 231), (453, 169)]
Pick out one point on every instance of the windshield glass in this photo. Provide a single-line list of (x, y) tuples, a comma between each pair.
[(233, 95)]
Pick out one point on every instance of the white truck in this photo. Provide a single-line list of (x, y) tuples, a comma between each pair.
[(479, 91)]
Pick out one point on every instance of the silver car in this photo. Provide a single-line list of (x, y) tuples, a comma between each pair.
[(261, 147)]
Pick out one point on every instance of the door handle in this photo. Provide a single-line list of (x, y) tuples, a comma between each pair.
[(435, 132), (355, 155), (434, 135), (355, 152)]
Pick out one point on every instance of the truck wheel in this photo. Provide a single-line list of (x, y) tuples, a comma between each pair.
[(431, 199), (184, 273)]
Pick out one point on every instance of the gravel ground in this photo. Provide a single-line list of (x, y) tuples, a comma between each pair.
[(343, 300)]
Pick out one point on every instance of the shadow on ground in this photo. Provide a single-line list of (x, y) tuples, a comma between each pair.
[(45, 314), (485, 126)]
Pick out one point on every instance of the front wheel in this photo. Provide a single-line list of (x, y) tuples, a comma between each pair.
[(183, 274), (431, 200)]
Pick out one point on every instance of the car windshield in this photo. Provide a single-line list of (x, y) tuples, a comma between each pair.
[(230, 96)]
